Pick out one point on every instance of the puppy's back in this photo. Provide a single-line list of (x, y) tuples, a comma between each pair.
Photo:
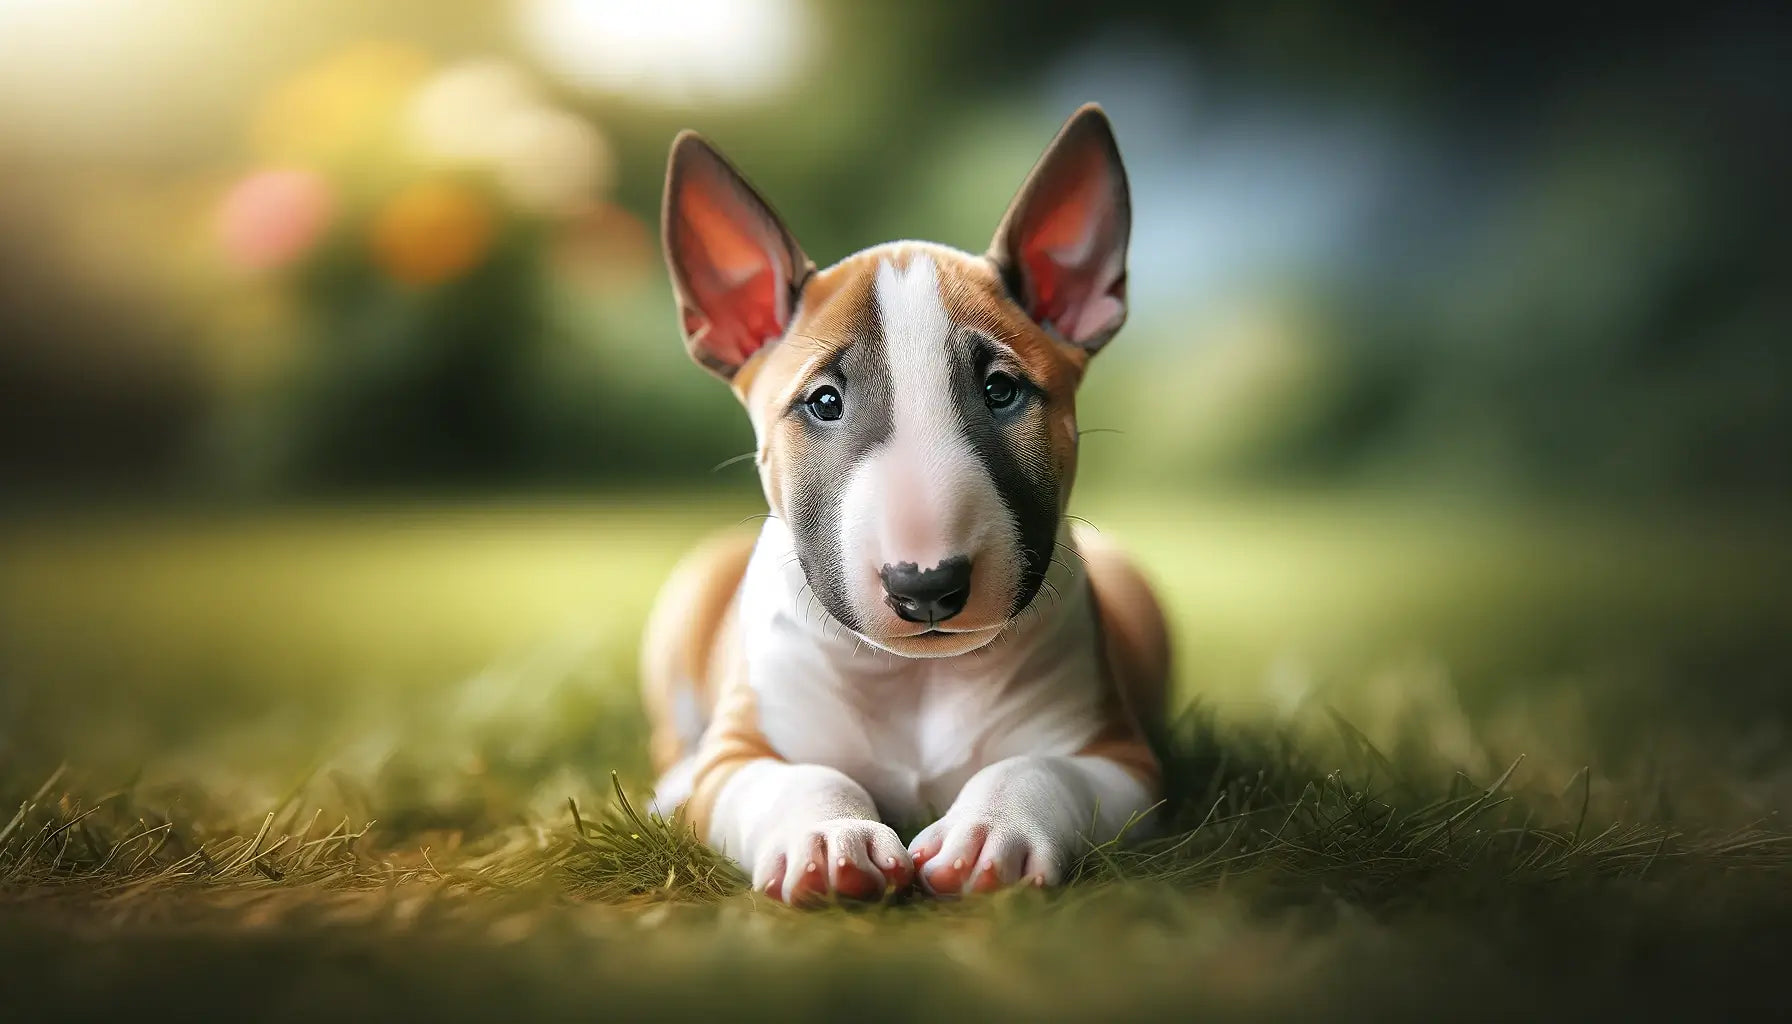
[(681, 640)]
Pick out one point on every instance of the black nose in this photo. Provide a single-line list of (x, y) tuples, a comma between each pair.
[(928, 595)]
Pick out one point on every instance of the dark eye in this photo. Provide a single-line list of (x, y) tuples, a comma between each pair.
[(825, 404), (1000, 390)]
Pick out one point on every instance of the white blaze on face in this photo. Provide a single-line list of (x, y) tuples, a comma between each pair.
[(924, 496)]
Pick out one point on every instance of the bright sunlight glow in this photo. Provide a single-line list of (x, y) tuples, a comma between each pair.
[(671, 51)]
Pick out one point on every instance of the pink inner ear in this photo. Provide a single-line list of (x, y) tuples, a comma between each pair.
[(1070, 253), (736, 280), (733, 323)]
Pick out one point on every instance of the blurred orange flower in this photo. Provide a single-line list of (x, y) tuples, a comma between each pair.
[(271, 218), (431, 232)]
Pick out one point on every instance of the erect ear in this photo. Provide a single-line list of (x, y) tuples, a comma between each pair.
[(1062, 244), (736, 271)]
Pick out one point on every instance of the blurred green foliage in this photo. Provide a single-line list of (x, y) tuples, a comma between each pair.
[(1518, 253)]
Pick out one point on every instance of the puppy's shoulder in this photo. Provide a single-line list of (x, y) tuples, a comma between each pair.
[(693, 607)]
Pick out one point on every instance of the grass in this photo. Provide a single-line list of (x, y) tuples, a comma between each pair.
[(372, 762)]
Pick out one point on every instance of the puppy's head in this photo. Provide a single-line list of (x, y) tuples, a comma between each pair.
[(915, 406)]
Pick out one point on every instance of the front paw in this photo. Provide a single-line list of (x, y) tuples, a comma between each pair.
[(849, 857), (981, 852)]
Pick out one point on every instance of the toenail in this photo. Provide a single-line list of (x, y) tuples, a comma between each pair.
[(1038, 881), (891, 861), (841, 862), (958, 865), (812, 868)]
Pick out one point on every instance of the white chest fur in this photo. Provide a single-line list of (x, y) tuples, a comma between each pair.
[(912, 731)]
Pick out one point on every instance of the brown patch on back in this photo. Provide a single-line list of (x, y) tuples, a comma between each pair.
[(1136, 649), (684, 634)]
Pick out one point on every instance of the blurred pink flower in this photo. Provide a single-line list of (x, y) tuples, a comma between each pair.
[(271, 218)]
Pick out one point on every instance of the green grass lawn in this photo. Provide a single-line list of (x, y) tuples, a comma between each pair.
[(1440, 759)]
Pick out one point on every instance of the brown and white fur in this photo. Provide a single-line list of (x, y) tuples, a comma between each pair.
[(916, 633)]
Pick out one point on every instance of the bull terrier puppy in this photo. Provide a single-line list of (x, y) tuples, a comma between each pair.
[(916, 633)]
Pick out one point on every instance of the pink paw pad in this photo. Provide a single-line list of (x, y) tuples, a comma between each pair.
[(986, 879), (810, 886), (949, 877), (854, 882)]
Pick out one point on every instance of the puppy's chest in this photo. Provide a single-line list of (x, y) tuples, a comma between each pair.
[(912, 732)]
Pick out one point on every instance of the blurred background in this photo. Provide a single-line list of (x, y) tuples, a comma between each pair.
[(340, 382)]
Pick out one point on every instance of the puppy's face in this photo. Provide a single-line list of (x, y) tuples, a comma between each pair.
[(918, 434), (914, 405)]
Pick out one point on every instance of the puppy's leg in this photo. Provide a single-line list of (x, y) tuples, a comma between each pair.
[(673, 787), (1028, 818), (690, 621), (804, 832)]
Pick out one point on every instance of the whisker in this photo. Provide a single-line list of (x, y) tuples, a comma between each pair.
[(1032, 607), (807, 595), (1099, 430), (725, 463), (811, 337), (828, 622), (988, 649)]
